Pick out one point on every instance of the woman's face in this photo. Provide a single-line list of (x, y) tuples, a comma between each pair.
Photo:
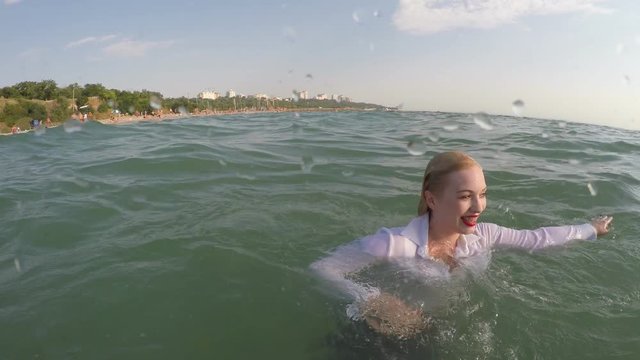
[(456, 208)]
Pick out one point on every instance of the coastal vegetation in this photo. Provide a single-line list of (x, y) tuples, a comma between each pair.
[(27, 100)]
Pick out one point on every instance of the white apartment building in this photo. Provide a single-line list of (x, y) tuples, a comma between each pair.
[(231, 93), (321, 97), (208, 95)]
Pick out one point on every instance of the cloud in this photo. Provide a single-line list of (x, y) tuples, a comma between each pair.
[(11, 2), (133, 48), (90, 39), (433, 16)]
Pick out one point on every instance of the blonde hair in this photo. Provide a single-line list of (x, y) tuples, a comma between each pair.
[(437, 170)]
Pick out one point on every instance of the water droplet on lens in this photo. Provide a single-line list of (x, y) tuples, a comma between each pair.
[(416, 148), (131, 109), (620, 48), (183, 110), (450, 127), (562, 124), (592, 189), (306, 164), (434, 136), (347, 173), (483, 121), (296, 114), (71, 126), (289, 33), (155, 102), (627, 80), (309, 76), (376, 13), (355, 17), (40, 130), (16, 262), (372, 47), (222, 162), (518, 107)]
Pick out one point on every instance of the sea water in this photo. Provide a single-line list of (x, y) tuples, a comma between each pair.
[(192, 238)]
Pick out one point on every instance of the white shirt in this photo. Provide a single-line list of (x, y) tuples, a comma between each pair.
[(412, 241)]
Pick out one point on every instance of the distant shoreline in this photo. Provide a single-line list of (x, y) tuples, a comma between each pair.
[(130, 119)]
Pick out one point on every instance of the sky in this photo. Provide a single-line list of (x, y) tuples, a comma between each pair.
[(572, 60)]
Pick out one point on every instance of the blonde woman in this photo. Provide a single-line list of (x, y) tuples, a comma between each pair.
[(447, 230)]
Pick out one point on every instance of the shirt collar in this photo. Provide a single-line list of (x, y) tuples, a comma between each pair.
[(418, 232)]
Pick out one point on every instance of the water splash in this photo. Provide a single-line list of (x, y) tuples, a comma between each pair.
[(483, 121), (222, 162), (306, 164), (592, 189), (544, 135), (574, 162), (16, 263), (417, 147), (517, 107), (71, 126)]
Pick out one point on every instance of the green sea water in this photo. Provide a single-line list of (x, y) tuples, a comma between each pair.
[(192, 238)]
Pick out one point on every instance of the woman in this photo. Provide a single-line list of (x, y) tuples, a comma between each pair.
[(446, 230)]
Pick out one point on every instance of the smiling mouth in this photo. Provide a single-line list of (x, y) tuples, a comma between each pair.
[(470, 221)]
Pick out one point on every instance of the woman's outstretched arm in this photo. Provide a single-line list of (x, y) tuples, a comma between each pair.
[(544, 236)]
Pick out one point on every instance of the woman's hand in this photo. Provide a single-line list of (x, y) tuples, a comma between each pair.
[(391, 316), (601, 224)]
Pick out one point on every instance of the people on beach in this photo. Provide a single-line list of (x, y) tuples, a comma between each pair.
[(445, 233), (48, 122), (15, 129)]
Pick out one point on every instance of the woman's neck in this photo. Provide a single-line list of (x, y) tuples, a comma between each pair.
[(441, 237)]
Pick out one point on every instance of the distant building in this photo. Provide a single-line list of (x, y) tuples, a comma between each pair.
[(342, 98), (261, 96), (302, 95), (208, 95), (321, 97), (231, 93)]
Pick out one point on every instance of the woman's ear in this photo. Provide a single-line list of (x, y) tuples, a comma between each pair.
[(429, 199)]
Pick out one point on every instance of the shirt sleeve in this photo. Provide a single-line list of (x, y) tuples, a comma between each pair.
[(350, 258), (538, 238)]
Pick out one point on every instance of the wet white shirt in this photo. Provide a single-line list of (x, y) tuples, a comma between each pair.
[(412, 241)]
